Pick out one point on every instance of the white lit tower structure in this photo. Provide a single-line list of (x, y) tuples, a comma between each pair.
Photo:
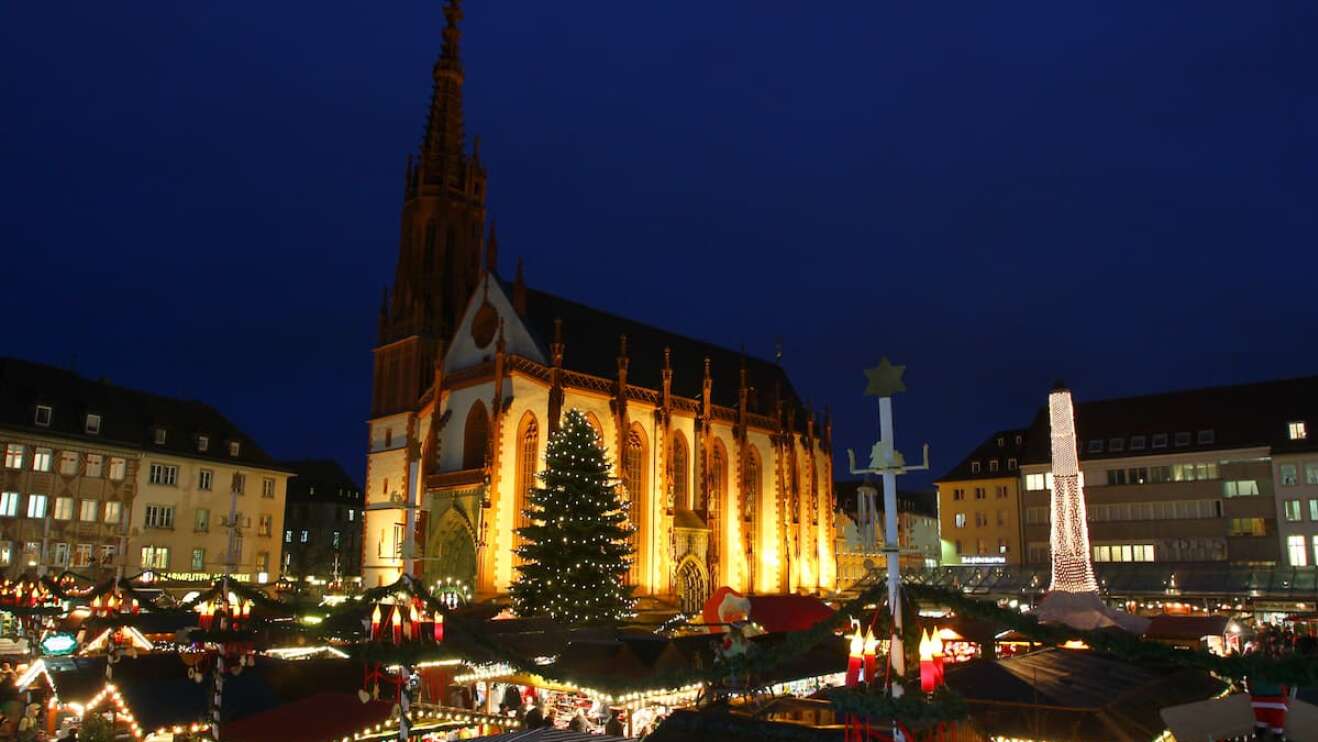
[(885, 380), (1072, 597)]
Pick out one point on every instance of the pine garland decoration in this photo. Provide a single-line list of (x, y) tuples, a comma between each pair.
[(575, 554)]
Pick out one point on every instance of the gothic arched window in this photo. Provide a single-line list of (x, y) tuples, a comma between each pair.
[(718, 482), (750, 488), (528, 441), (633, 478), (475, 437), (681, 494)]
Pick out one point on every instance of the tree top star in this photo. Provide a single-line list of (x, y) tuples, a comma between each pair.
[(885, 379)]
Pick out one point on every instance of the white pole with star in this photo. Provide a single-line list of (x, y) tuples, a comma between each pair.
[(885, 380)]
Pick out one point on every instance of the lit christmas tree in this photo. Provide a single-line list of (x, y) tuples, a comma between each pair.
[(576, 554)]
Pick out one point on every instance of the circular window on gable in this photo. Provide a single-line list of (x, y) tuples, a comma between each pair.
[(484, 325)]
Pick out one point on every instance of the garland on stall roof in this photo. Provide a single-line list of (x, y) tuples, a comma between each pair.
[(944, 704), (224, 584), (1294, 670)]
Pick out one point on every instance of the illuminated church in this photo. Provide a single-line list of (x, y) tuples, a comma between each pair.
[(726, 476)]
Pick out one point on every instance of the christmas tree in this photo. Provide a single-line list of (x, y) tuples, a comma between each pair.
[(575, 553)]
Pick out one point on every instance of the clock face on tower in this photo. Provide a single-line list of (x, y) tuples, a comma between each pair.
[(484, 325)]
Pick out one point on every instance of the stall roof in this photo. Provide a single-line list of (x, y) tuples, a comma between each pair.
[(1186, 627)]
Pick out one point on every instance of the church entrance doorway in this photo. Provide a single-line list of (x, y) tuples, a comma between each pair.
[(692, 587), (452, 550)]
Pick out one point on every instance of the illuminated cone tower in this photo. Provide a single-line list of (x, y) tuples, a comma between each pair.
[(1072, 597)]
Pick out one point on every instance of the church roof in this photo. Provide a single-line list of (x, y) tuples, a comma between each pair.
[(591, 345)]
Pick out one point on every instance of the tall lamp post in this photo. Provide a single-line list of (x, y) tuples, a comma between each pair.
[(885, 380)]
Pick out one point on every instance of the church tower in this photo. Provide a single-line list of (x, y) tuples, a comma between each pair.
[(442, 229)]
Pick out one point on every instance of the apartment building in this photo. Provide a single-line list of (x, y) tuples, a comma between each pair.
[(1295, 472), (322, 522), (101, 478), (979, 503), (1187, 476)]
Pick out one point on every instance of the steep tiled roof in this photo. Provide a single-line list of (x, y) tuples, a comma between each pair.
[(128, 417), (1239, 416), (327, 476), (591, 344), (991, 450)]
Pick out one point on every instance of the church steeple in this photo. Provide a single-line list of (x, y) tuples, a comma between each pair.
[(442, 231)]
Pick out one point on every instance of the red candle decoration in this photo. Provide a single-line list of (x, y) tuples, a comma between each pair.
[(871, 656), (136, 607), (928, 677), (854, 658), (439, 627), (375, 623), (414, 630), (936, 648), (398, 625)]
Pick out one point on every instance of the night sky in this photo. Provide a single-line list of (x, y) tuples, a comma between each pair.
[(201, 198)]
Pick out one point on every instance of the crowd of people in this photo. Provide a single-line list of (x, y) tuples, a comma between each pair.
[(533, 711)]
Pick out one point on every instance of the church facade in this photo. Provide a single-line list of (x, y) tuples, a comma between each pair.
[(725, 475)]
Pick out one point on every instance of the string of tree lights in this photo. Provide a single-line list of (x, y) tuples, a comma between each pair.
[(575, 554)]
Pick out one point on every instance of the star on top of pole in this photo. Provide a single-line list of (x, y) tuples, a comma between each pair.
[(885, 379)]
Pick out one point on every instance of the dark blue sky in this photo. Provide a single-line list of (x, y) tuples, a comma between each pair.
[(202, 198)]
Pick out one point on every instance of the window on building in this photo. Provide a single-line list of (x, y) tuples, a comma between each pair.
[(1038, 552), (59, 554), (288, 537), (1296, 551), (205, 480), (1096, 446), (957, 545), (1247, 527), (1240, 488), (960, 520), (262, 561), (1292, 510), (43, 415), (993, 464), (1011, 464), (1116, 445), (1182, 439), (118, 469), (14, 456), (1289, 475), (36, 506), (201, 520), (1036, 515), (113, 511), (267, 487), (82, 555), (68, 463), (980, 494), (88, 510), (1116, 477), (352, 515), (163, 474), (92, 425), (304, 536), (6, 553), (203, 443), (1002, 517), (155, 557), (334, 540), (108, 553), (1001, 491), (1296, 430), (234, 448), (198, 559), (1159, 440), (1206, 437), (974, 467), (238, 485), (9, 504), (1315, 549), (958, 494), (1138, 442), (266, 523), (63, 508), (1002, 546), (1034, 482), (1002, 441), (981, 520), (1194, 472), (94, 466), (1311, 472), (159, 436), (42, 458), (1313, 510), (159, 516)]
